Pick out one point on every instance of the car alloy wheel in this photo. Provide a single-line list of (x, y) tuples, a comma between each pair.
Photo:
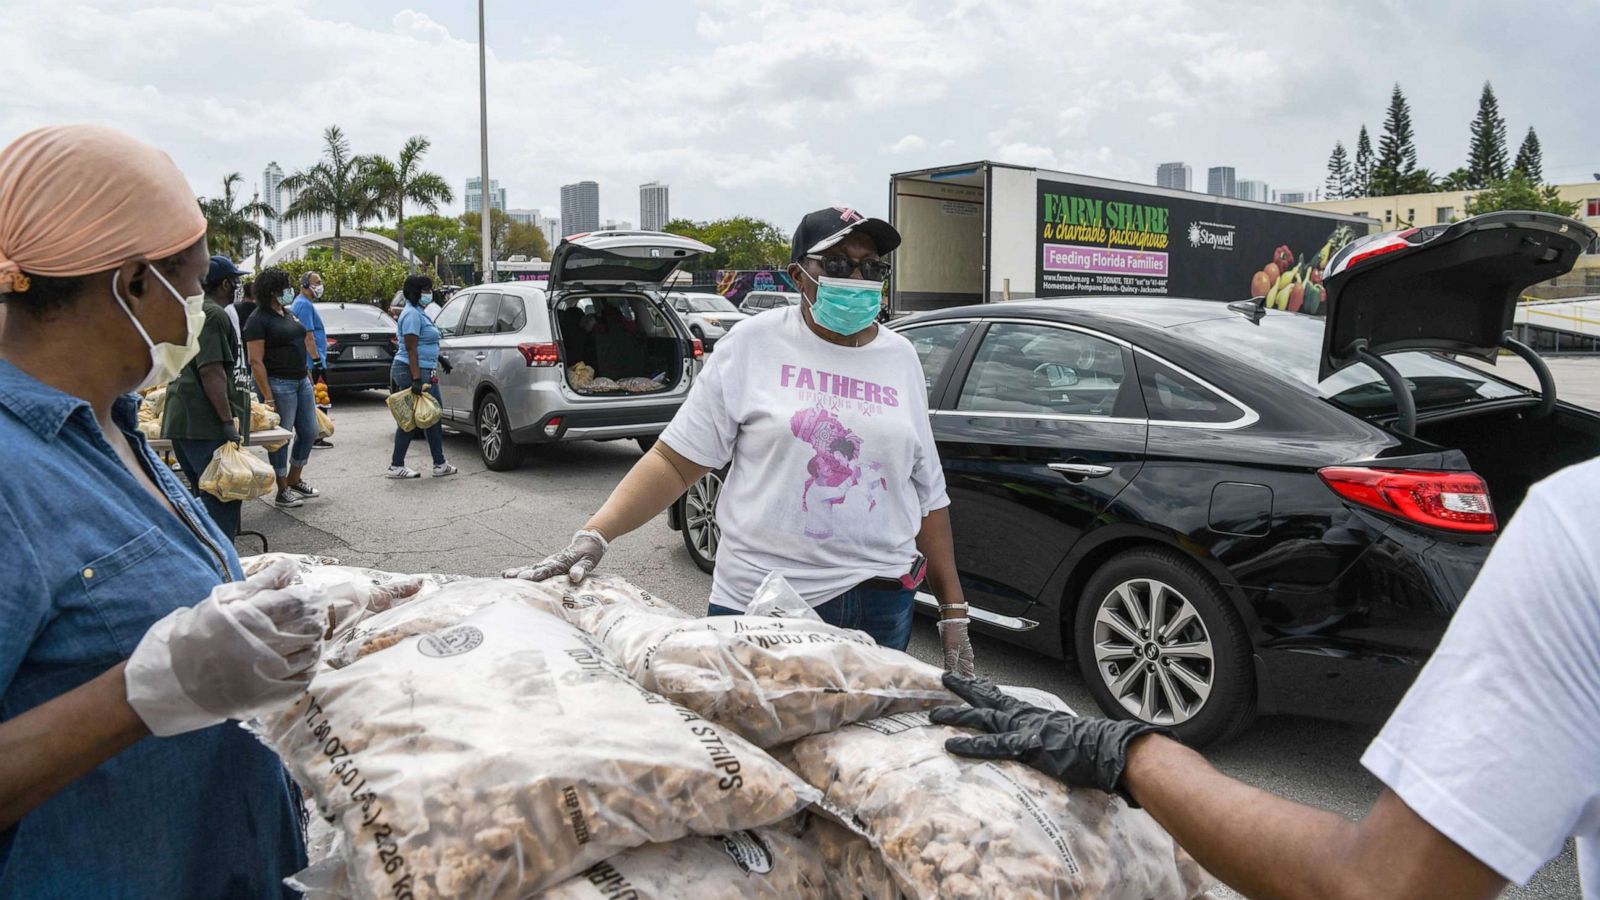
[(1153, 652), (701, 533), (489, 427), (500, 453)]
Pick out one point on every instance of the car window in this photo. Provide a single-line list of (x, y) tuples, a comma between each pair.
[(1040, 369), (935, 344), (1291, 345), (710, 303), (1172, 396), (481, 318), (354, 317), (513, 314), (680, 304), (449, 319)]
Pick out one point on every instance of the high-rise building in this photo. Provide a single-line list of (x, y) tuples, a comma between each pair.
[(1295, 197), (1175, 175), (616, 225), (1245, 189), (1219, 181), (550, 227), (524, 216), (272, 195), (580, 208), (653, 213), (474, 195)]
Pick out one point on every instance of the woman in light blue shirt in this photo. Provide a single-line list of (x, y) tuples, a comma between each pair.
[(413, 368)]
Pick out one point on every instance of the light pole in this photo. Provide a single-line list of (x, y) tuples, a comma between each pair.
[(485, 210)]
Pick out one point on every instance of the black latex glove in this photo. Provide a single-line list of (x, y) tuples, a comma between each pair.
[(318, 370), (419, 387), (230, 433), (1075, 750)]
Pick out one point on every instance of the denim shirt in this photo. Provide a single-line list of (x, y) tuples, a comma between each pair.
[(89, 561)]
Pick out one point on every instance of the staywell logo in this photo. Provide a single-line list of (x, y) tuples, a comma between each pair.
[(1211, 234)]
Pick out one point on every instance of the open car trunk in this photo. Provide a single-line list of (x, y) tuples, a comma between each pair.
[(1511, 449), (618, 344)]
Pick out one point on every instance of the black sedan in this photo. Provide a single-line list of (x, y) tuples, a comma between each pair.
[(361, 345), (1218, 509)]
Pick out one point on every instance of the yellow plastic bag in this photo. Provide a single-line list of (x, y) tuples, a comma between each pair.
[(234, 474), (413, 411), (400, 406), (262, 417), (426, 410), (324, 425)]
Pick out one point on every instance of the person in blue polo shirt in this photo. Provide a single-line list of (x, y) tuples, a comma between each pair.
[(305, 309)]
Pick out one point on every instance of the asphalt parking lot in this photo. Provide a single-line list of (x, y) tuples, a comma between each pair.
[(480, 522)]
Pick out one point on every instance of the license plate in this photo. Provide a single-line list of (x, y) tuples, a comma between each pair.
[(365, 353)]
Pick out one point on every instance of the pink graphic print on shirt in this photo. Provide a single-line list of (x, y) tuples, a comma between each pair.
[(834, 470)]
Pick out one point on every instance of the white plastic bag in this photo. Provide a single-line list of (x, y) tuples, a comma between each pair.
[(760, 864), (438, 606), (771, 680), (954, 828), (503, 755), (776, 598)]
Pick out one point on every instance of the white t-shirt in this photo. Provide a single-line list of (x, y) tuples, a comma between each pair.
[(834, 464), (1497, 744)]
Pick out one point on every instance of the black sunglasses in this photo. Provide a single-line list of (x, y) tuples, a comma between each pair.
[(840, 266)]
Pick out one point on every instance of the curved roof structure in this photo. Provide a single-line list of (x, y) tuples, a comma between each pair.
[(352, 242)]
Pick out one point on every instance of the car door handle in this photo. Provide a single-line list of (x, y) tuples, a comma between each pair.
[(481, 356), (1081, 470)]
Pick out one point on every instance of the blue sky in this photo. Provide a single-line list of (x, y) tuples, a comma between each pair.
[(775, 107)]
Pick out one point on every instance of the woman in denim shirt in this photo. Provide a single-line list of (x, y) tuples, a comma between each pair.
[(117, 617)]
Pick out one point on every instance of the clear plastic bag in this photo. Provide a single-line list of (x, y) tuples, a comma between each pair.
[(955, 828), (760, 864), (508, 753), (324, 425), (440, 605), (772, 680), (776, 598), (261, 417), (856, 869), (235, 474)]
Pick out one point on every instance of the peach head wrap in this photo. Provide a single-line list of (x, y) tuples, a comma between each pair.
[(76, 199)]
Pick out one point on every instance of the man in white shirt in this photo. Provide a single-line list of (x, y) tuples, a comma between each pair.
[(1491, 761)]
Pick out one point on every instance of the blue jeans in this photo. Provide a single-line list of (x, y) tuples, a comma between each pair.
[(885, 615), (400, 379), (193, 457), (297, 407)]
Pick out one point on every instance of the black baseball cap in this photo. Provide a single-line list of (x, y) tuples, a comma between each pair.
[(222, 267), (826, 227)]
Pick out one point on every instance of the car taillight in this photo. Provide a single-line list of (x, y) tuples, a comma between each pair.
[(540, 354), (552, 427), (333, 342), (699, 347), (1453, 501)]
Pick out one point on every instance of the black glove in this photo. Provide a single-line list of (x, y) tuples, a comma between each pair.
[(1075, 750), (318, 370), (419, 387), (230, 433)]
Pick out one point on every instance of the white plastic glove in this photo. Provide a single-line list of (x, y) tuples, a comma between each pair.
[(575, 562), (957, 646), (249, 647)]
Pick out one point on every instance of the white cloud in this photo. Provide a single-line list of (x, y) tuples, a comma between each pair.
[(906, 144), (771, 107)]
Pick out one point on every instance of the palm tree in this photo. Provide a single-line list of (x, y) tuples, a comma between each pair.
[(393, 182), (228, 229), (337, 186)]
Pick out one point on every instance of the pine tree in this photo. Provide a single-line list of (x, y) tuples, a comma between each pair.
[(1397, 149), (1530, 159), (1338, 185), (1487, 159), (1361, 174)]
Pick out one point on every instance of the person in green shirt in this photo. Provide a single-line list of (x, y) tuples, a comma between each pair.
[(206, 405)]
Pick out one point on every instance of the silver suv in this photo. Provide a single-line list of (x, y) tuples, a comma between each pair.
[(596, 354)]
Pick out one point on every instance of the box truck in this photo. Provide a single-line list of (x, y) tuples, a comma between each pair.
[(987, 231)]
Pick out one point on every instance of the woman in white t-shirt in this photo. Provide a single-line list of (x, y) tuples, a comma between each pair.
[(835, 480)]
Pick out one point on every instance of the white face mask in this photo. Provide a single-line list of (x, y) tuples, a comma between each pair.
[(167, 360), (317, 292)]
